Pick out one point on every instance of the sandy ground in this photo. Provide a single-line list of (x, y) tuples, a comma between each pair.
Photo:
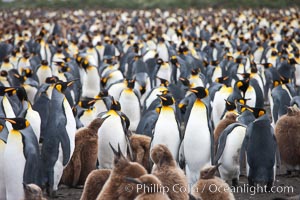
[(293, 182)]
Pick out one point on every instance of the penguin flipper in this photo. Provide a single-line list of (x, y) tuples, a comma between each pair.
[(65, 145), (245, 144), (181, 157), (31, 153), (278, 159)]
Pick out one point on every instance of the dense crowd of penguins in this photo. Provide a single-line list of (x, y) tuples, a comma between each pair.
[(111, 99)]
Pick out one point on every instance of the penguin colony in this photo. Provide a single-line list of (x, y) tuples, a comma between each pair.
[(106, 97)]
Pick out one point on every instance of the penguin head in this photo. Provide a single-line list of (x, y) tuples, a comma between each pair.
[(166, 99), (174, 60), (257, 112), (7, 90), (242, 85), (195, 72), (3, 73), (44, 62), (223, 80), (115, 105), (229, 105), (18, 123), (130, 83), (185, 81), (86, 103), (22, 94), (52, 79), (62, 86), (163, 82), (200, 92), (161, 155), (102, 93), (209, 172)]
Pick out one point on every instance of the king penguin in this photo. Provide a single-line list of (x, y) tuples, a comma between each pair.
[(130, 104), (228, 151), (196, 149), (119, 122), (260, 147), (21, 158), (59, 138), (167, 129), (3, 141)]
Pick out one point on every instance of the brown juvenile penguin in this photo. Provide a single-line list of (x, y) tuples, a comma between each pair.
[(287, 132), (94, 183), (115, 186), (149, 187), (32, 192), (84, 158), (140, 145), (208, 186), (229, 119), (169, 173)]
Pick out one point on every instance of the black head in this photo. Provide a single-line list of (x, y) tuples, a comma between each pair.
[(200, 92), (51, 80), (86, 103), (44, 62), (195, 71), (229, 105), (222, 79), (185, 81), (18, 123), (115, 105), (22, 94), (62, 86), (242, 85), (167, 99), (3, 73), (257, 112), (103, 93), (163, 82), (130, 83)]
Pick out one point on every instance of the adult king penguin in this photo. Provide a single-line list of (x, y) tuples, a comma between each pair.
[(260, 147), (197, 145), (130, 104), (167, 129), (3, 140), (119, 136), (21, 158), (59, 138)]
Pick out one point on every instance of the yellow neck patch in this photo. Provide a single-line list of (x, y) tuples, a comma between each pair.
[(112, 112), (226, 89), (167, 109), (199, 103)]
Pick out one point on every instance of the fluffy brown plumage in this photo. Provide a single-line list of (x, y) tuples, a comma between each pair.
[(229, 119), (150, 187), (287, 132), (169, 174), (33, 192), (94, 183), (115, 186), (84, 158), (208, 183), (140, 145)]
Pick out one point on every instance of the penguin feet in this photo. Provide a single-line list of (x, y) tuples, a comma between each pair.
[(235, 182), (52, 193)]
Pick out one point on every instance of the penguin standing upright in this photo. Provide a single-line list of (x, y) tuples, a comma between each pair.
[(228, 151), (59, 138), (91, 82), (260, 148), (3, 140), (119, 136), (197, 140), (130, 104), (21, 158), (167, 130), (44, 71)]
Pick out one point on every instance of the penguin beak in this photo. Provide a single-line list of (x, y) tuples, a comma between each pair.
[(133, 180), (10, 120), (92, 101), (71, 82), (194, 91), (9, 89), (161, 97)]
